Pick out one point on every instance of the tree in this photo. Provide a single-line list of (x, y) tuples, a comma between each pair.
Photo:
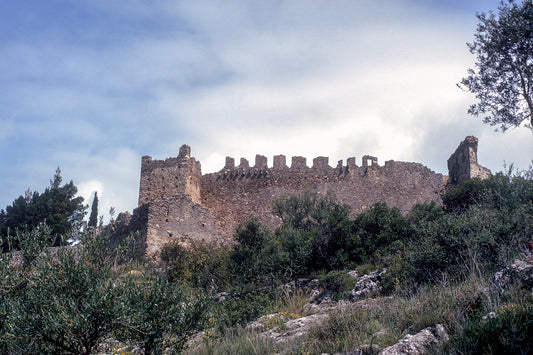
[(93, 218), (318, 220), (251, 238), (71, 300), (503, 79), (58, 207)]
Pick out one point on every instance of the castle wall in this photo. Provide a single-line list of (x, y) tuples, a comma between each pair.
[(178, 218), (177, 202), (234, 194)]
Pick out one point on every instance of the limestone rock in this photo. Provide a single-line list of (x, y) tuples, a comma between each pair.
[(366, 285), (221, 297), (519, 272), (420, 343), (294, 329), (353, 274), (309, 286)]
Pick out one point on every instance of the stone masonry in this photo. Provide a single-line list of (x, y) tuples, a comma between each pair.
[(462, 165), (178, 203)]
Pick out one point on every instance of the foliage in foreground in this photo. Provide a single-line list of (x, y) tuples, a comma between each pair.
[(439, 259), (460, 307), (69, 300)]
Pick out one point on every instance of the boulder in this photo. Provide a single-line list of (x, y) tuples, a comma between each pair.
[(421, 343), (294, 329), (518, 273), (366, 285)]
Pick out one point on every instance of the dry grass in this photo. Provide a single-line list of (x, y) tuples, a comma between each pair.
[(380, 321)]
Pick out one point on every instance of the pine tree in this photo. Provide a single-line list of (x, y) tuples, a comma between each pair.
[(58, 207), (93, 218)]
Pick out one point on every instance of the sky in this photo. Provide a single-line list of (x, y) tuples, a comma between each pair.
[(93, 85)]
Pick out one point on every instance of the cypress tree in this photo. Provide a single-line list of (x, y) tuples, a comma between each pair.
[(93, 218)]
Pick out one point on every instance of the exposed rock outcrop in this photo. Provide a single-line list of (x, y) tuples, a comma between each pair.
[(421, 343), (520, 272), (366, 285)]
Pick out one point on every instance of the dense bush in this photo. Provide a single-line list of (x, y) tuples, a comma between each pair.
[(484, 224), (249, 259), (378, 229), (196, 265), (241, 308), (69, 300), (157, 314), (314, 235)]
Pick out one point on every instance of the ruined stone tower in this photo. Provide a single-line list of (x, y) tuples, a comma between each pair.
[(177, 202), (173, 176), (463, 165)]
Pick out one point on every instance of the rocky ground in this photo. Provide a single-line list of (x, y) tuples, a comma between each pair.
[(286, 328)]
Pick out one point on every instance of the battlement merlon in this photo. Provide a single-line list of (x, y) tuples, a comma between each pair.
[(185, 152), (298, 163), (182, 174), (463, 165)]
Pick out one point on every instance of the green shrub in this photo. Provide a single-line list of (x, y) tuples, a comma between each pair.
[(197, 265), (337, 283), (157, 314), (296, 252), (67, 305), (69, 300), (469, 193), (242, 308), (320, 223), (252, 253), (377, 228), (509, 331)]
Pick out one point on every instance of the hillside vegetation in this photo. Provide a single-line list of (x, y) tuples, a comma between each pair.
[(436, 264)]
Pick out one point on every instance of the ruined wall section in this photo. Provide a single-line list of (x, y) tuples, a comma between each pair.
[(179, 218), (463, 165), (163, 178), (239, 192)]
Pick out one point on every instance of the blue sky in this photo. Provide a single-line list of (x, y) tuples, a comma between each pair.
[(92, 85)]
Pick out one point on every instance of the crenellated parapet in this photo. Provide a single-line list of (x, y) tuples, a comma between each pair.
[(298, 166)]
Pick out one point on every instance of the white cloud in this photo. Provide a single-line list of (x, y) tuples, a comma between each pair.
[(86, 189), (239, 78)]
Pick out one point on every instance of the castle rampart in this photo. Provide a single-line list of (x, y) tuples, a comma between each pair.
[(182, 204)]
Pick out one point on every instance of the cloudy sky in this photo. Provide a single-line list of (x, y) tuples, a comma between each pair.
[(92, 85)]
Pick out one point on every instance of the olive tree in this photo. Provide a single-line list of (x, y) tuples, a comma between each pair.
[(503, 78)]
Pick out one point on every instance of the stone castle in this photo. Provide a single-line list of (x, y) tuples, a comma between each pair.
[(177, 202)]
